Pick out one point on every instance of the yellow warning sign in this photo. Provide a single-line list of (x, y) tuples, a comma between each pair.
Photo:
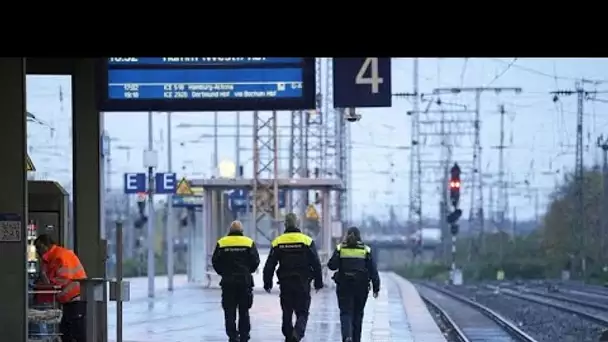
[(29, 166), (183, 188), (311, 212)]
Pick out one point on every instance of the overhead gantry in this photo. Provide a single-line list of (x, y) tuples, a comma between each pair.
[(216, 217)]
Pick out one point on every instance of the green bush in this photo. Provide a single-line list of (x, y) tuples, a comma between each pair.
[(429, 271)]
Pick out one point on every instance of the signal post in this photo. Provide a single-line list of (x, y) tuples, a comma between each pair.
[(452, 218)]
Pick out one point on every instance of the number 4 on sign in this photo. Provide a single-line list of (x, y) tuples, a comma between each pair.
[(370, 64)]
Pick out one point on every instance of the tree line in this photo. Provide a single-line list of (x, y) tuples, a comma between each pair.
[(568, 239)]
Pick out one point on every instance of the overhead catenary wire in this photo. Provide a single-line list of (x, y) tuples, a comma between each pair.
[(544, 74), (504, 71)]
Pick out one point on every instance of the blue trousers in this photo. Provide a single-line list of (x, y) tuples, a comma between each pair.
[(351, 301)]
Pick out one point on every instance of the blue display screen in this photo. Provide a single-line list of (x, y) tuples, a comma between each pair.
[(207, 83), (202, 60)]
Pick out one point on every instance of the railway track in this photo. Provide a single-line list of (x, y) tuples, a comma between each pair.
[(594, 312), (471, 321)]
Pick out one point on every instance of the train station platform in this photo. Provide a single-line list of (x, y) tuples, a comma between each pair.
[(193, 313)]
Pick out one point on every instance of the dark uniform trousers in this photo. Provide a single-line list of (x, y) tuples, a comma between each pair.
[(72, 325), (237, 297), (352, 297), (295, 298)]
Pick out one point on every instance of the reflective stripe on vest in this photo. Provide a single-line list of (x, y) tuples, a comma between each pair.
[(235, 241), (355, 253), (69, 292), (68, 274), (292, 238)]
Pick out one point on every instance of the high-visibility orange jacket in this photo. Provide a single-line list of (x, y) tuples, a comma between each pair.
[(62, 267)]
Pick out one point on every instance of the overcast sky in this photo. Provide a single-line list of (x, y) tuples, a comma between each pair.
[(540, 132)]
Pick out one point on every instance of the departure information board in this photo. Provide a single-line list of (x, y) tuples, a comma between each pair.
[(206, 83)]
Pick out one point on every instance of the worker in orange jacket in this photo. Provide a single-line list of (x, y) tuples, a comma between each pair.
[(63, 269)]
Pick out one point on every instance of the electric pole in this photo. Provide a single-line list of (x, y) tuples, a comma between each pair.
[(602, 142), (578, 224), (502, 184), (414, 218), (476, 211), (415, 167)]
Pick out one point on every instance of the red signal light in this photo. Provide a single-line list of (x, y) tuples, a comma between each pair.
[(455, 185)]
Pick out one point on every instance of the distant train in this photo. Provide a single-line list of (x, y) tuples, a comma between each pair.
[(431, 237)]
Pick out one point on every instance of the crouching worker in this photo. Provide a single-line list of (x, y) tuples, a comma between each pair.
[(63, 270), (235, 258)]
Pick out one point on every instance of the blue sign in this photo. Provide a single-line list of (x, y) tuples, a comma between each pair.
[(206, 83), (135, 183), (239, 199), (165, 183), (362, 82), (187, 201)]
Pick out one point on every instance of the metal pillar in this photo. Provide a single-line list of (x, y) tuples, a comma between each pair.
[(150, 163), (87, 170), (579, 179), (415, 208), (216, 162), (314, 131), (208, 229), (14, 201), (170, 219), (446, 160), (349, 175), (578, 224), (503, 192), (602, 143), (237, 143), (342, 167), (326, 234), (331, 141), (453, 268), (265, 171), (297, 169), (303, 162), (476, 215)]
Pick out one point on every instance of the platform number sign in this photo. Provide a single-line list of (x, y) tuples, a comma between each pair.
[(370, 66), (362, 82)]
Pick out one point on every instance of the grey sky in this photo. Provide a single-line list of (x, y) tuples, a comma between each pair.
[(541, 131)]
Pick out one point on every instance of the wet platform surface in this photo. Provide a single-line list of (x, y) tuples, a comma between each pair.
[(192, 313)]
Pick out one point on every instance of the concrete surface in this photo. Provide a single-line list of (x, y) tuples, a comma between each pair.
[(192, 313)]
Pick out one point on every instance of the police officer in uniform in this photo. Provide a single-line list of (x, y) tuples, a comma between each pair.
[(299, 263), (235, 258), (355, 268)]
